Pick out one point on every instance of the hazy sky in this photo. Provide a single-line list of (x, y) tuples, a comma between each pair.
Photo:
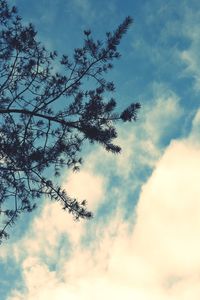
[(143, 243)]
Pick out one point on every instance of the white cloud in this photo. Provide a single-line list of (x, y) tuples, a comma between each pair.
[(168, 213), (157, 259), (85, 185), (54, 224)]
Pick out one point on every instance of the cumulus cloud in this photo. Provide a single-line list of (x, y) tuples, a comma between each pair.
[(168, 213), (157, 258)]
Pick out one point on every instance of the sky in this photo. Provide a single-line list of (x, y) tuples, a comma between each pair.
[(143, 242)]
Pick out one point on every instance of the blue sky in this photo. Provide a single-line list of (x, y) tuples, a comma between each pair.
[(143, 242)]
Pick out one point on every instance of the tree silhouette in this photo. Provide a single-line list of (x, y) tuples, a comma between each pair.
[(46, 116)]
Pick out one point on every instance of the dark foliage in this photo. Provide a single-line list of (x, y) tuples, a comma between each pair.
[(45, 116)]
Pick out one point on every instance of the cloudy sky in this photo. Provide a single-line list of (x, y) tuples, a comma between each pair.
[(144, 241)]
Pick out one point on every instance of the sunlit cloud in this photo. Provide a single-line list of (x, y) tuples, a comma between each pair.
[(85, 185), (156, 258), (54, 226)]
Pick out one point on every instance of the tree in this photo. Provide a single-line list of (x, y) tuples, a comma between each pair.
[(46, 116)]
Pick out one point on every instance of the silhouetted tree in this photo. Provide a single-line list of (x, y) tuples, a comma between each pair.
[(45, 116)]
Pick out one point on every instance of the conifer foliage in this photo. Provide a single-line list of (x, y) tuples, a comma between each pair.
[(46, 116)]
